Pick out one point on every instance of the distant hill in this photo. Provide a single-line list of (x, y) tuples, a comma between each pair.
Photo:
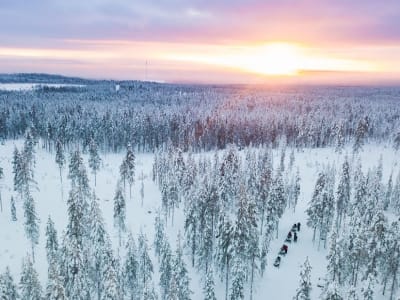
[(43, 78)]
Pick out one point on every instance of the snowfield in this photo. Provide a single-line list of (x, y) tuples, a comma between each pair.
[(51, 196)]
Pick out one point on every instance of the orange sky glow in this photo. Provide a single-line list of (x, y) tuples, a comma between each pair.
[(257, 42)]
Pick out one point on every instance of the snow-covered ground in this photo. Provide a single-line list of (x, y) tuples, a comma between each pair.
[(277, 283)]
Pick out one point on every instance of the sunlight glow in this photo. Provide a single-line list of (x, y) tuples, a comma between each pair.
[(278, 59)]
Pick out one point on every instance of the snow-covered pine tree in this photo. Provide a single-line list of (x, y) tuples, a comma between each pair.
[(296, 189), (303, 292), (343, 194), (238, 279), (145, 265), (340, 137), (31, 223), (97, 251), (331, 291), (360, 135), (55, 289), (180, 274), (29, 285), (389, 193), (119, 212), (17, 163), (130, 269), (209, 285), (110, 275), (390, 265), (264, 187), (127, 169), (8, 289), (224, 249), (368, 287), (51, 243), (166, 260), (13, 209), (321, 207), (94, 158), (74, 255), (192, 224), (159, 237), (60, 158), (277, 201)]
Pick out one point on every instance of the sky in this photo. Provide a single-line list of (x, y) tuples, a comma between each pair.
[(205, 41)]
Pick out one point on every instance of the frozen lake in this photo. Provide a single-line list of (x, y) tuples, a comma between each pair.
[(31, 86)]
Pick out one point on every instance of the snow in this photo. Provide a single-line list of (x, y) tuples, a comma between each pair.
[(32, 86), (277, 283)]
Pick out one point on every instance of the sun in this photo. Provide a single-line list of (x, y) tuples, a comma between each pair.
[(272, 59)]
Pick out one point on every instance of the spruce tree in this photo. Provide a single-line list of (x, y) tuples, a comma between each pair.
[(304, 290), (238, 279), (94, 159), (209, 285), (131, 269), (51, 241), (13, 209), (165, 269), (127, 169), (60, 160), (8, 289), (343, 194), (119, 212), (29, 285), (31, 223)]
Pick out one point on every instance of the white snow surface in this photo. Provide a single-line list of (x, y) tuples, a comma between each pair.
[(277, 283)]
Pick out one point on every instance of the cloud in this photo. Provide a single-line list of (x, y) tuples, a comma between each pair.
[(178, 20)]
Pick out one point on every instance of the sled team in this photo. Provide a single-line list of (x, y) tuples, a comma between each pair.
[(284, 249)]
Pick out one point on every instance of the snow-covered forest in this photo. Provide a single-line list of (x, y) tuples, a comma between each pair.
[(161, 191)]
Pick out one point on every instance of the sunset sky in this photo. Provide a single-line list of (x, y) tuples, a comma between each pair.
[(208, 41)]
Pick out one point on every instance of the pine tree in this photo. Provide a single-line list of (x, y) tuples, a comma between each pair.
[(110, 279), (360, 134), (131, 269), (17, 171), (208, 289), (60, 160), (13, 210), (8, 289), (180, 274), (29, 284), (119, 212), (94, 158), (368, 288), (238, 279), (127, 169), (31, 223), (335, 260), (159, 237), (390, 265), (99, 248), (343, 194), (304, 290), (145, 266), (331, 292), (55, 289), (51, 243), (165, 269), (224, 249), (74, 258), (277, 200)]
